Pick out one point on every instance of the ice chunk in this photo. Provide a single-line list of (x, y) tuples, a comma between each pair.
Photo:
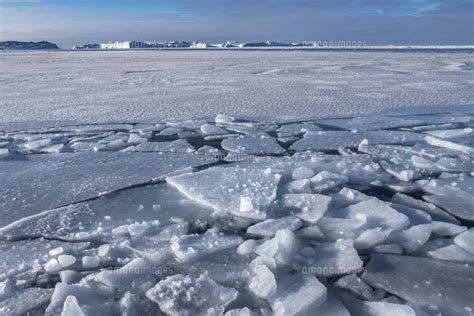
[(435, 212), (3, 151), (298, 186), (335, 228), (189, 248), (71, 307), (185, 295), (240, 312), (325, 181), (401, 172), (332, 307), (302, 173), (34, 145), (308, 207), (136, 139), (208, 129), (7, 287), (90, 262), (311, 232), (24, 255), (136, 271), (451, 253), (356, 286), (83, 294), (378, 214), (389, 248), (223, 119), (262, 283), (461, 164), (253, 144), (452, 133), (245, 192), (269, 227), (187, 124), (86, 146), (247, 247), (135, 304), (66, 260), (411, 238), (465, 240), (424, 282), (371, 122), (70, 276), (282, 247), (415, 216), (177, 146), (455, 195), (449, 145), (362, 308), (54, 149), (296, 294), (347, 196), (332, 259), (294, 129), (24, 301), (333, 140), (446, 229), (169, 131), (52, 266), (370, 238)]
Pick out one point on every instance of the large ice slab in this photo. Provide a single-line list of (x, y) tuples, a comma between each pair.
[(241, 191), (260, 143), (333, 140), (453, 194), (378, 215), (465, 240), (295, 295), (329, 259), (308, 207), (370, 123), (37, 183), (25, 301), (429, 284), (186, 295), (104, 217)]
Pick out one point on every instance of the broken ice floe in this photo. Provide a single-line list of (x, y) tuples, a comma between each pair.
[(227, 216)]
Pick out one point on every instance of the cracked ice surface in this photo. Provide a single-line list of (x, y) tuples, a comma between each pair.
[(368, 215)]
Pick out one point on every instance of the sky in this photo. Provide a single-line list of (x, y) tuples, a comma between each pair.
[(383, 22)]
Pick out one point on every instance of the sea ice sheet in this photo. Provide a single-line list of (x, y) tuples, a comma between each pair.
[(426, 283), (36, 183)]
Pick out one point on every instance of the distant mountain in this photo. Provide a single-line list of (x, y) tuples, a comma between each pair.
[(27, 45)]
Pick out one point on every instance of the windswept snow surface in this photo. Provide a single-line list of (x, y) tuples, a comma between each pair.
[(119, 86), (367, 215)]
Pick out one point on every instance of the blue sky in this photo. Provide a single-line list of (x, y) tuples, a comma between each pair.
[(68, 22)]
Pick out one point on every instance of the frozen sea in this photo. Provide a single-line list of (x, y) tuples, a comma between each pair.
[(342, 184), (118, 86)]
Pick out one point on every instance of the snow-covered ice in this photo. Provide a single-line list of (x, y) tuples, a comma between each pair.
[(131, 86)]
